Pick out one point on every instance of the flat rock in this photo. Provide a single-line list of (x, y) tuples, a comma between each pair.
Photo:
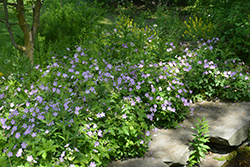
[(229, 124)]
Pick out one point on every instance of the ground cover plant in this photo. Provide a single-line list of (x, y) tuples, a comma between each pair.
[(98, 100)]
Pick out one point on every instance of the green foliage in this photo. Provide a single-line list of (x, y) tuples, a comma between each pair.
[(227, 158), (170, 24), (14, 66), (198, 28), (199, 142), (120, 133), (98, 103), (234, 29), (211, 77), (67, 25), (231, 19)]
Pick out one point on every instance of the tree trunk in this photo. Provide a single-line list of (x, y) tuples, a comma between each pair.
[(29, 33)]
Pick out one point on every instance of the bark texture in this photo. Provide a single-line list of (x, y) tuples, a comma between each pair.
[(29, 33)]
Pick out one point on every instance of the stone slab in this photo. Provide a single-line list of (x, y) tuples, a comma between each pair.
[(229, 124), (210, 162), (139, 162)]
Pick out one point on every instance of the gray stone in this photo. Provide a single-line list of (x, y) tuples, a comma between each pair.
[(229, 125)]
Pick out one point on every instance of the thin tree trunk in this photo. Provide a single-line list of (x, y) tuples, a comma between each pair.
[(29, 33), (28, 38)]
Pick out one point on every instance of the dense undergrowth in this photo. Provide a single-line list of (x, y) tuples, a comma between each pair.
[(96, 101)]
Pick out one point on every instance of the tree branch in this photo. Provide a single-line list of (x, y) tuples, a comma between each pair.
[(21, 48), (2, 20), (11, 4)]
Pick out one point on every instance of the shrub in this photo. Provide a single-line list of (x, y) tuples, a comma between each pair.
[(233, 25), (66, 25), (210, 77), (197, 28), (50, 112)]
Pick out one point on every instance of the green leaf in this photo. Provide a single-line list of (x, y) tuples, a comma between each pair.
[(206, 147), (125, 130), (44, 155), (202, 155), (106, 155), (96, 158), (3, 160), (81, 158)]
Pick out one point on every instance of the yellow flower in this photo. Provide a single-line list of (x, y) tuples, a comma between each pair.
[(1, 74)]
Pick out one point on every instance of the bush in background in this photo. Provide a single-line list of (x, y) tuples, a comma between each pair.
[(65, 26)]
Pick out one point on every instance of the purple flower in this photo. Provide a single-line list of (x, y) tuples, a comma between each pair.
[(71, 70), (28, 130), (77, 112), (58, 73), (96, 144), (61, 159), (2, 120), (79, 49), (169, 49), (10, 154), (63, 154), (212, 67), (18, 135), (124, 116), (102, 114), (133, 103), (206, 65), (98, 115), (99, 133), (13, 122), (1, 95), (92, 164), (24, 126), (179, 91), (150, 117), (33, 135), (89, 133), (19, 153), (13, 129)]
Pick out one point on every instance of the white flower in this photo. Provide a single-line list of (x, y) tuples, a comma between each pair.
[(29, 158)]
